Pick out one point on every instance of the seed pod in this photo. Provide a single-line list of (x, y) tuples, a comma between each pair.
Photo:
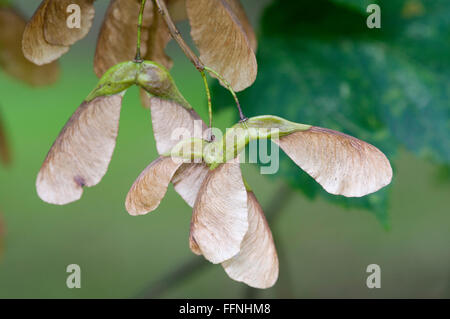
[(237, 137), (189, 150), (117, 79), (222, 41), (256, 264)]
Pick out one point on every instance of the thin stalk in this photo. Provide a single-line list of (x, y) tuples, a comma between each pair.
[(138, 45), (208, 94), (242, 117), (195, 60), (176, 35)]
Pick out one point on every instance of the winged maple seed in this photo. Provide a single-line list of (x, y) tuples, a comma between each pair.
[(235, 60), (228, 225), (81, 153)]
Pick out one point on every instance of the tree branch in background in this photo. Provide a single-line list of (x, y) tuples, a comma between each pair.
[(174, 277), (194, 265)]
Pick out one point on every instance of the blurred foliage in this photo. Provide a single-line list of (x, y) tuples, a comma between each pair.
[(442, 174), (320, 64), (360, 5), (5, 156), (2, 235)]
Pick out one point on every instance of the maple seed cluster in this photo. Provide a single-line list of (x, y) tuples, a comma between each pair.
[(228, 224)]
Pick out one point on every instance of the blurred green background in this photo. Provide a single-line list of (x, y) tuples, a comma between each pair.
[(324, 248)]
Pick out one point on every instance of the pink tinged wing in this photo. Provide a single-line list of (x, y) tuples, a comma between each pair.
[(220, 218), (168, 116), (81, 153), (188, 180), (151, 186), (256, 264), (341, 164), (56, 19), (35, 47), (222, 41)]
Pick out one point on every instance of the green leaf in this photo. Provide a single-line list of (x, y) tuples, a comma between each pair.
[(320, 64)]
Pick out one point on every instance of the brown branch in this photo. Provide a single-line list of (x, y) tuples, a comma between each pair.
[(186, 270), (5, 154), (176, 35), (278, 203)]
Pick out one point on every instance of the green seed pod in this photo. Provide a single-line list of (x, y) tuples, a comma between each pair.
[(191, 149), (237, 138), (117, 79), (156, 80)]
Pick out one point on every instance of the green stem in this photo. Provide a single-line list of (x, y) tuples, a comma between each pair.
[(191, 55), (208, 94), (138, 45), (242, 117)]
